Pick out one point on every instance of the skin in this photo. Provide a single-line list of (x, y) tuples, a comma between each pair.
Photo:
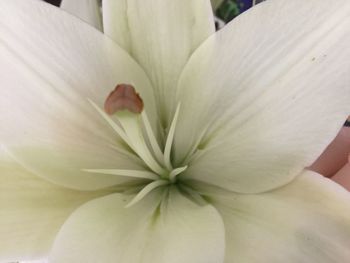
[(334, 162)]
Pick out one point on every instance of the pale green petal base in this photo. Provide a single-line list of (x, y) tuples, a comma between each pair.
[(173, 231), (31, 212)]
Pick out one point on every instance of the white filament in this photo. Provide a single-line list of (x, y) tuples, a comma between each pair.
[(128, 173), (152, 139), (131, 125), (146, 190), (175, 172), (115, 126), (170, 139)]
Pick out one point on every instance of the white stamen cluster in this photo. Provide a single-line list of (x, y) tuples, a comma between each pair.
[(161, 172)]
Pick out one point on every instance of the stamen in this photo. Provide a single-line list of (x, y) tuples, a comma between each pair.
[(128, 173), (170, 138), (132, 135), (150, 187), (115, 127), (176, 172), (152, 139), (131, 155), (131, 124)]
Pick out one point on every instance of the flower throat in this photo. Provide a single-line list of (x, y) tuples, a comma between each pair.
[(127, 105)]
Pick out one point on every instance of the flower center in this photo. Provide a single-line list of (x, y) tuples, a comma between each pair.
[(135, 129)]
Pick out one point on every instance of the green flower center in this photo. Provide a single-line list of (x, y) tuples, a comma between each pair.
[(135, 129)]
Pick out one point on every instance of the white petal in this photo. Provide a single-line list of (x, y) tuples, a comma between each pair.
[(174, 231), (270, 90), (87, 10), (50, 63), (161, 35), (115, 22), (31, 213), (35, 261), (306, 221)]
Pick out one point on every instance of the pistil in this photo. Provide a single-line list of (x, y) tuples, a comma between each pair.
[(131, 125), (125, 104)]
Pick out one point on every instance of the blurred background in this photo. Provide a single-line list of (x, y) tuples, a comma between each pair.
[(225, 10), (54, 2)]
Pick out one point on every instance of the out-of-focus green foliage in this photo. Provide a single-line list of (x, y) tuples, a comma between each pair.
[(216, 3), (228, 10)]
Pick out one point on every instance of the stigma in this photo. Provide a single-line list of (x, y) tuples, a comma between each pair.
[(123, 97)]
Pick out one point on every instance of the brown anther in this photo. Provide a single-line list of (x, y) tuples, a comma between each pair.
[(123, 97)]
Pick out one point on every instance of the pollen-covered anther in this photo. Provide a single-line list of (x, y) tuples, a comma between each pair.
[(123, 97)]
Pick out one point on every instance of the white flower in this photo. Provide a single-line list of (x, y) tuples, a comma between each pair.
[(211, 169)]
